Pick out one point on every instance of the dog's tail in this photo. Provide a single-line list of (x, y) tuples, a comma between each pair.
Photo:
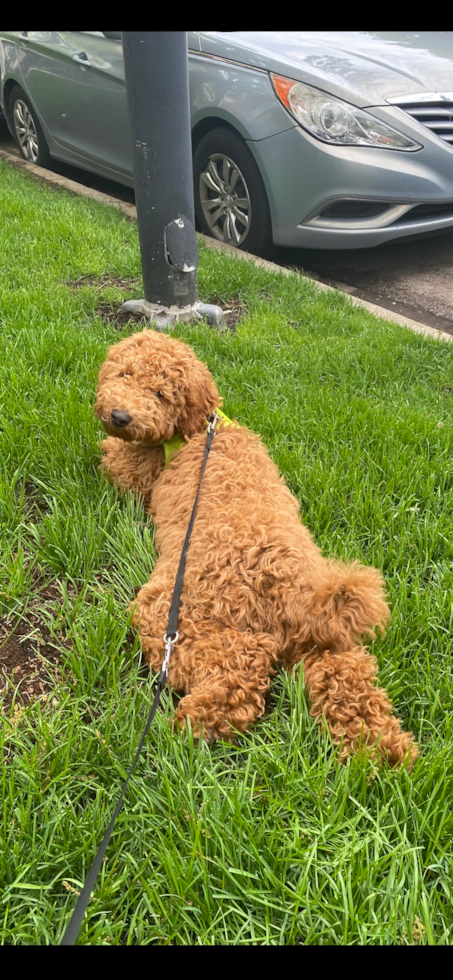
[(347, 602)]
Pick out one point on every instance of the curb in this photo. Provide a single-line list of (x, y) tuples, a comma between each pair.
[(130, 212)]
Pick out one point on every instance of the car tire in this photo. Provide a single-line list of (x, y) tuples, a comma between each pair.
[(230, 198), (27, 129)]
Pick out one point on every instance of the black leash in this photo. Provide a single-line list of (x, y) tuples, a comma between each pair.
[(170, 638)]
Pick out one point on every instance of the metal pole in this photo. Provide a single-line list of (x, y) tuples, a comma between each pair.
[(157, 88)]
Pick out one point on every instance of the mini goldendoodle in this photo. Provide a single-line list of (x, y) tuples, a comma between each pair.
[(257, 590)]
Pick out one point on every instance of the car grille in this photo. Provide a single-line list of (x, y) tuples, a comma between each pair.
[(436, 116)]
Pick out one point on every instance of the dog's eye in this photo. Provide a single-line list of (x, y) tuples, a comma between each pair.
[(126, 374), (159, 394)]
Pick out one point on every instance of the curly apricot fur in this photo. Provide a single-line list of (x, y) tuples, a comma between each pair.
[(257, 589)]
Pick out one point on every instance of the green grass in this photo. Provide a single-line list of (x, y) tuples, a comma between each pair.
[(271, 841)]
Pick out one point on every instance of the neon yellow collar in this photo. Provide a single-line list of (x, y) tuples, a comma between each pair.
[(177, 442)]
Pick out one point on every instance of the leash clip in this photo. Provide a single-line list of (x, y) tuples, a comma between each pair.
[(212, 421), (169, 643)]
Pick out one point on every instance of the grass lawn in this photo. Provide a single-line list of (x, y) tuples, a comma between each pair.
[(270, 841)]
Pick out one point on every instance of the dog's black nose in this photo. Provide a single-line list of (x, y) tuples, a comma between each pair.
[(120, 419)]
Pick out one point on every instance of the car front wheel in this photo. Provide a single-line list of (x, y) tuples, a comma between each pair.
[(230, 198), (27, 129)]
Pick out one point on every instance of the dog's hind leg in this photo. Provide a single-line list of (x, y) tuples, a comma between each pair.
[(228, 673), (359, 714), (342, 604), (224, 673)]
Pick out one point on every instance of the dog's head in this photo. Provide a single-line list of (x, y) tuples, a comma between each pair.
[(151, 387)]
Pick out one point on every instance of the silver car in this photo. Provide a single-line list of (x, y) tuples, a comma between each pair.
[(324, 139)]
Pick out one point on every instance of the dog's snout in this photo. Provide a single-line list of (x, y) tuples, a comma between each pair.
[(120, 419)]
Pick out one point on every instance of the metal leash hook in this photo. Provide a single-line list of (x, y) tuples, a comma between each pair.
[(213, 419), (169, 644)]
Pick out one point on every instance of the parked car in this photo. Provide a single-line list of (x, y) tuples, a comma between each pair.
[(313, 139)]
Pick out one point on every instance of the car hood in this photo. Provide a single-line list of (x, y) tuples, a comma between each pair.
[(365, 67)]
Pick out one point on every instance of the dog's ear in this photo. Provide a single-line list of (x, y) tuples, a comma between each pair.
[(201, 398)]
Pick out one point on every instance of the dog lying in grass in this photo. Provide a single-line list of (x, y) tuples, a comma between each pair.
[(257, 590)]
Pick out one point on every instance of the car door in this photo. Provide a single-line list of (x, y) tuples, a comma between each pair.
[(76, 82)]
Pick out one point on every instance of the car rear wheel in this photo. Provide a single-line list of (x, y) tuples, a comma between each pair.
[(230, 198), (27, 130)]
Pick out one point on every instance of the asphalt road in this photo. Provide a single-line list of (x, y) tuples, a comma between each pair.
[(412, 278)]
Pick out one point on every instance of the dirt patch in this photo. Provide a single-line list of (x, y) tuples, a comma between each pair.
[(27, 660), (112, 313), (101, 282), (234, 310)]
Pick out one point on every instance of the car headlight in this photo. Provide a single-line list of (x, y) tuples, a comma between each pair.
[(334, 121)]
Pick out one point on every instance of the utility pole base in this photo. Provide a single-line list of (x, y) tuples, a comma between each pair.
[(163, 318)]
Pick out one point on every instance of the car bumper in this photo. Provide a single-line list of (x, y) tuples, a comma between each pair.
[(411, 193)]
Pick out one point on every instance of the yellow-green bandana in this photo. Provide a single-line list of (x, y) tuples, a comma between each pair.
[(177, 442)]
